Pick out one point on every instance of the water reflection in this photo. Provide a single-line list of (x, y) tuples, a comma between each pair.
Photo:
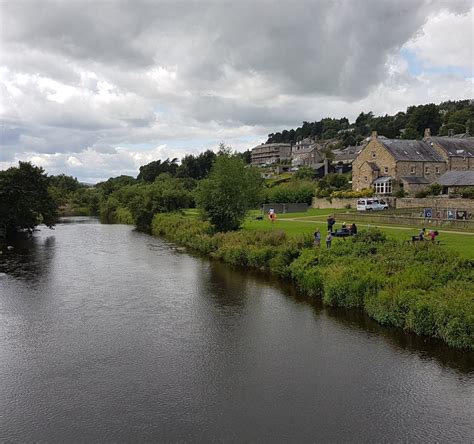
[(30, 258), (235, 278)]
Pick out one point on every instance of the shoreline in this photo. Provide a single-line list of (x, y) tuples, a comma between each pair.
[(359, 274)]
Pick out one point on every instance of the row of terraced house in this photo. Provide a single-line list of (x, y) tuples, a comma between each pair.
[(385, 165)]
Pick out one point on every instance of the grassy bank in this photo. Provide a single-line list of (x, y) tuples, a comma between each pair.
[(421, 288)]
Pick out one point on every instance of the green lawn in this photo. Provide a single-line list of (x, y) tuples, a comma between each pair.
[(460, 242), (314, 218)]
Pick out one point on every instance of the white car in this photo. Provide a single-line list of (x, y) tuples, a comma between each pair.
[(371, 205)]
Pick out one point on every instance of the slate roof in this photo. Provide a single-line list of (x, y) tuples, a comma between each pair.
[(456, 146), (411, 150), (457, 178), (415, 180)]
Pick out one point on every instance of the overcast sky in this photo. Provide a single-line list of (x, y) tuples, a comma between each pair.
[(95, 89)]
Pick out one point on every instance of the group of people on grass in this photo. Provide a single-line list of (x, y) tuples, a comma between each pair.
[(423, 235), (346, 230), (351, 230)]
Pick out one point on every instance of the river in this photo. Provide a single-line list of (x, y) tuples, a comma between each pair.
[(107, 334)]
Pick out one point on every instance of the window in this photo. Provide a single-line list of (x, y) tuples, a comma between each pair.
[(413, 169), (383, 187), (427, 170), (385, 170), (437, 170), (365, 179), (373, 154)]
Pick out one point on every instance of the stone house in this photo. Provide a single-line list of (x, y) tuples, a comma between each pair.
[(385, 164), (270, 153), (453, 180), (306, 153), (457, 151)]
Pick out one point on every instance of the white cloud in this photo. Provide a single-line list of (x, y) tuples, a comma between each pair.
[(97, 89), (446, 39)]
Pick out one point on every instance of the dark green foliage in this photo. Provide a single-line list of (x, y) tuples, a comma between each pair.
[(434, 189), (304, 173), (142, 201), (152, 170), (228, 193), (295, 191), (452, 116), (196, 167), (25, 201), (114, 183), (467, 192)]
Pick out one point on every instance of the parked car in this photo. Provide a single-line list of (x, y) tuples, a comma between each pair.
[(371, 205)]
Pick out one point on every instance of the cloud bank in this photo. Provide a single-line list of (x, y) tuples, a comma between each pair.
[(96, 89)]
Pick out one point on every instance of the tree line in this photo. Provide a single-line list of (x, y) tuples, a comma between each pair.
[(451, 117)]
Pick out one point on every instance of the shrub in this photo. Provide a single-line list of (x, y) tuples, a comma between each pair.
[(366, 192), (467, 192), (369, 236)]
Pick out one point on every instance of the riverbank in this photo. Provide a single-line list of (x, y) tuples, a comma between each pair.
[(420, 288)]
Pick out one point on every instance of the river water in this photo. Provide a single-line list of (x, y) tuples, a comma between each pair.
[(107, 334)]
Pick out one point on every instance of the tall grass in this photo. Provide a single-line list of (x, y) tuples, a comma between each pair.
[(420, 288)]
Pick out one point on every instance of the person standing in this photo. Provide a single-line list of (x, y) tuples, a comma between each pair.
[(354, 229), (331, 221), (317, 238), (328, 239)]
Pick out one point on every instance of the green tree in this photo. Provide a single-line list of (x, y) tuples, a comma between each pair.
[(229, 192), (152, 170), (304, 173), (24, 199)]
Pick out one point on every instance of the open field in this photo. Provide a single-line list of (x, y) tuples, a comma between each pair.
[(294, 224)]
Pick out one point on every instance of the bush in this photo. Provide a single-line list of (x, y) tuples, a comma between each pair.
[(467, 192), (366, 192)]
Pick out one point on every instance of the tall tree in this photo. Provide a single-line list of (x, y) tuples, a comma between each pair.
[(229, 192), (24, 199)]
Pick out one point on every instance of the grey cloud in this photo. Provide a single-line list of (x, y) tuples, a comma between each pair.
[(323, 47)]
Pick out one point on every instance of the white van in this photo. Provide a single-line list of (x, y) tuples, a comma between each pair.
[(370, 204)]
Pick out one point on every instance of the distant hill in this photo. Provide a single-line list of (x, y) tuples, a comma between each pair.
[(450, 117)]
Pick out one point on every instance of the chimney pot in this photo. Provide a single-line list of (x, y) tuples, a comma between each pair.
[(427, 132), (374, 134)]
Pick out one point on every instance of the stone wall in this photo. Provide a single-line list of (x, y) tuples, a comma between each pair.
[(406, 202), (435, 203), (461, 163), (334, 204)]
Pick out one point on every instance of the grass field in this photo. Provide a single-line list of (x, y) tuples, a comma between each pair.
[(294, 224), (463, 243)]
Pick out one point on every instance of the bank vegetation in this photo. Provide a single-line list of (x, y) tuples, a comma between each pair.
[(421, 288)]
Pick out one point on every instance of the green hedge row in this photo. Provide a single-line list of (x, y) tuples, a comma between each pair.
[(420, 288)]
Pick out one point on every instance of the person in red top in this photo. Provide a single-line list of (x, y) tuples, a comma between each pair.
[(432, 235)]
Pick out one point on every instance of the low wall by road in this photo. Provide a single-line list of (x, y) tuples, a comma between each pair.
[(285, 207), (436, 203), (379, 218), (323, 203)]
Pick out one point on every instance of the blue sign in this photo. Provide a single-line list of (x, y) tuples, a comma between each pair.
[(428, 212)]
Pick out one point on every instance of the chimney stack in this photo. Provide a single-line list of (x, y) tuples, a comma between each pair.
[(427, 133), (374, 135)]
